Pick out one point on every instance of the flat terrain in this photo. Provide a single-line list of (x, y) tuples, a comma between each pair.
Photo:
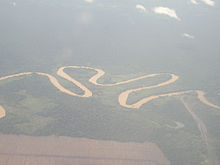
[(66, 150), (122, 98)]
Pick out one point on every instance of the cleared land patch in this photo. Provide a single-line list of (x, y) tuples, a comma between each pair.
[(52, 150)]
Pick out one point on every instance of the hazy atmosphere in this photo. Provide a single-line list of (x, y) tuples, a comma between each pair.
[(81, 79)]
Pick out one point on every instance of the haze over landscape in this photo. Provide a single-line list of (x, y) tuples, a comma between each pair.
[(109, 82)]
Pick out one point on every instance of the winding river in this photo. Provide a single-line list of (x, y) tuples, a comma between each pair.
[(122, 98)]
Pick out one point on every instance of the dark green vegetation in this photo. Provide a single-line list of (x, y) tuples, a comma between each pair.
[(35, 107), (42, 35)]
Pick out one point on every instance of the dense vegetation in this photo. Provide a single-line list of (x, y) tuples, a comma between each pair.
[(34, 107), (42, 35)]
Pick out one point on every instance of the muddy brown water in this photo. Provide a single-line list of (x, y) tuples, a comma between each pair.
[(2, 112), (122, 98)]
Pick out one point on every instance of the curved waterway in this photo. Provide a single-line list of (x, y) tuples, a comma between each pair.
[(122, 98), (2, 112)]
